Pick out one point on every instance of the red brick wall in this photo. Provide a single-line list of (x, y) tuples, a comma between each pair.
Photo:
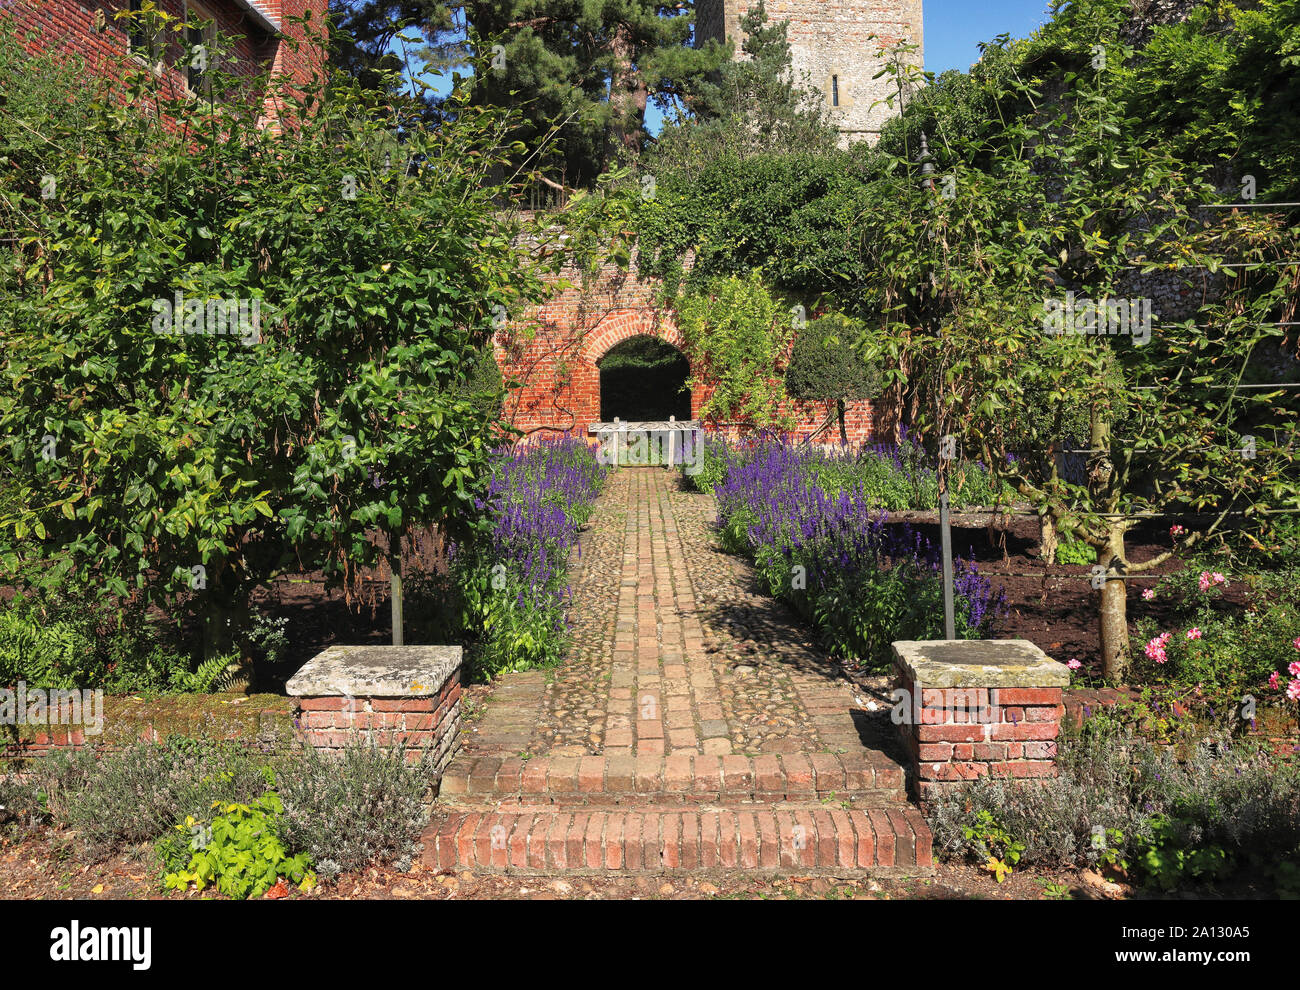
[(959, 734), (68, 28), (552, 352), (422, 724)]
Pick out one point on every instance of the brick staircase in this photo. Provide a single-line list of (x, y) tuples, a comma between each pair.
[(822, 813)]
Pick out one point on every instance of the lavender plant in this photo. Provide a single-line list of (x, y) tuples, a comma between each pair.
[(819, 541), (511, 584)]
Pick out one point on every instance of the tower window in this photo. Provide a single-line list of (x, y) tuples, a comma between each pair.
[(835, 91)]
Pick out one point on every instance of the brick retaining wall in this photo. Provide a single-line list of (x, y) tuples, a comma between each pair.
[(263, 719)]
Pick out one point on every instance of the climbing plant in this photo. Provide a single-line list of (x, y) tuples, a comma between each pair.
[(736, 334)]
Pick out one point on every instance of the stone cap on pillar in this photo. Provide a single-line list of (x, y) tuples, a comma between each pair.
[(941, 663), (376, 672)]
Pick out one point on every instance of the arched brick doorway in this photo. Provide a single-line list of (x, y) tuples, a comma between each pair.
[(617, 327), (644, 379)]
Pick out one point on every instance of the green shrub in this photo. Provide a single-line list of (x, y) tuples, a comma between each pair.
[(67, 639), (364, 806), (241, 450), (1070, 551), (513, 628), (240, 852), (824, 365), (1122, 801), (1226, 650), (139, 793), (736, 333), (21, 805)]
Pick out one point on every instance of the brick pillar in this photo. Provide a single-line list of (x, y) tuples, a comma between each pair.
[(977, 708), (385, 695)]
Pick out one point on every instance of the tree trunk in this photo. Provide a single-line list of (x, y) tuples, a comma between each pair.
[(1114, 613), (1047, 541), (1114, 594), (844, 435), (627, 97), (395, 588)]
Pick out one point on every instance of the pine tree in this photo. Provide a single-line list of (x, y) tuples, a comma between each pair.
[(754, 105), (589, 66)]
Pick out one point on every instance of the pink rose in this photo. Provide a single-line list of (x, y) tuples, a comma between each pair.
[(1194, 633), (1149, 594), (1293, 690), (1073, 664), (1155, 649), (1272, 680), (1294, 669)]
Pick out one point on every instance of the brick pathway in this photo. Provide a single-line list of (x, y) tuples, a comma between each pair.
[(693, 726)]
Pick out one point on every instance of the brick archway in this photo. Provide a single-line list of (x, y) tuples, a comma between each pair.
[(616, 327), (625, 324)]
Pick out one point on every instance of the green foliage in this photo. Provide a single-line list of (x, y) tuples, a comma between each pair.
[(21, 806), (504, 595), (1236, 648), (580, 76), (824, 364), (714, 460), (1074, 196), (1070, 551), (365, 806), (1165, 858), (68, 639), (792, 215), (286, 444), (240, 851), (859, 616), (1135, 806), (860, 588), (735, 334), (1001, 848), (754, 105), (137, 794), (484, 387), (512, 629)]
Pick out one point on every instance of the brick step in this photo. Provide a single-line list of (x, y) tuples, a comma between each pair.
[(804, 840), (863, 778)]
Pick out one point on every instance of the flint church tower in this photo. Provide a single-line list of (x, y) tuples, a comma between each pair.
[(831, 44)]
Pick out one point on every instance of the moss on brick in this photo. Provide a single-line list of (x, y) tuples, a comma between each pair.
[(266, 718)]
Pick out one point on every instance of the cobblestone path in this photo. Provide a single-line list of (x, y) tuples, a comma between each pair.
[(687, 695)]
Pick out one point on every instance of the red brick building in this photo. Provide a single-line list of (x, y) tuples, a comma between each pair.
[(262, 34)]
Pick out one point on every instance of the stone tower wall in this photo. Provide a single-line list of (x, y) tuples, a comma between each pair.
[(832, 41)]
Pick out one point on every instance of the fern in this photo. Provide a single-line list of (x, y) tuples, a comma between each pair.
[(49, 655), (211, 675)]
